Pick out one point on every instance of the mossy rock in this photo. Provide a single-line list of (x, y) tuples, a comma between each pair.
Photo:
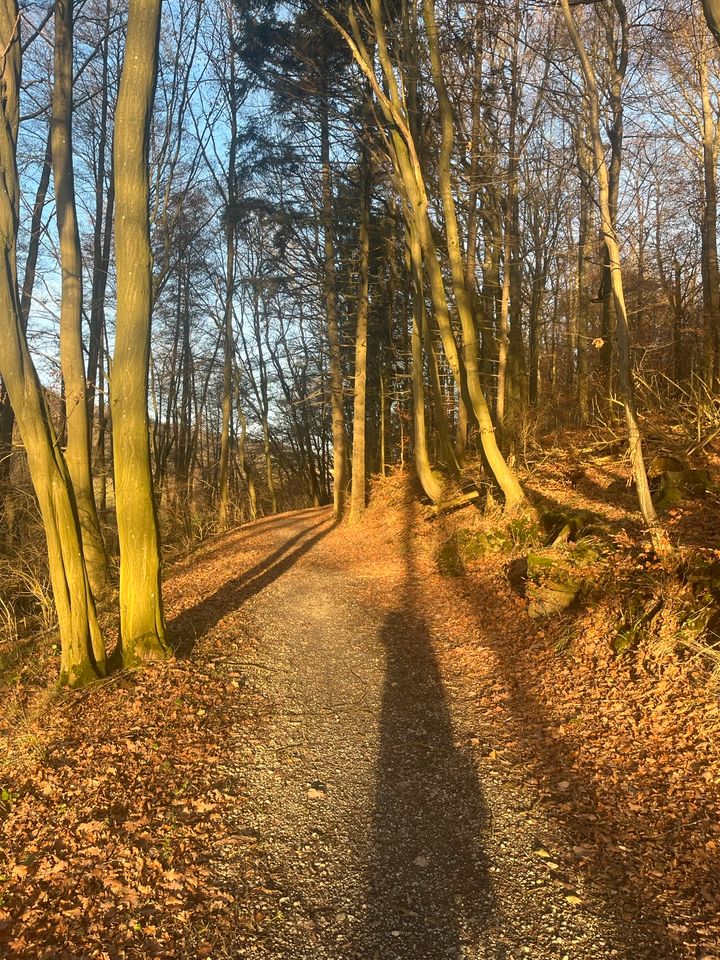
[(661, 463), (624, 641), (466, 546), (557, 578), (551, 598), (671, 487), (703, 575), (449, 559), (566, 526), (572, 559), (639, 612), (553, 585), (700, 624)]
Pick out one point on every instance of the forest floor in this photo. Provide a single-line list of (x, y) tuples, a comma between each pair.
[(353, 757)]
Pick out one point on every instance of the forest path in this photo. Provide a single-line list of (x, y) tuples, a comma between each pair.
[(379, 818)]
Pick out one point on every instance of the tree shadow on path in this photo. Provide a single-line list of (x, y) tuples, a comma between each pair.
[(193, 623), (428, 891)]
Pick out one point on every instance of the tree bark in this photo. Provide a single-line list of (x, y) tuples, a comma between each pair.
[(78, 455), (612, 247), (82, 648), (336, 383), (7, 415), (710, 269), (142, 621), (229, 340), (358, 493)]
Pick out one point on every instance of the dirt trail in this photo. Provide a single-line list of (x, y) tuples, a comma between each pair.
[(382, 823), (345, 762)]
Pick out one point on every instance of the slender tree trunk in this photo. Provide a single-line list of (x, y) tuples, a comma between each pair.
[(617, 66), (7, 415), (357, 500), (102, 236), (412, 188), (82, 648), (383, 468), (142, 622), (710, 270), (581, 319), (428, 480), (229, 342), (269, 465), (503, 474), (78, 452), (336, 384), (245, 465), (613, 250)]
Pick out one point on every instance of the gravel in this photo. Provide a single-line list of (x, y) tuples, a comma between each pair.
[(382, 825)]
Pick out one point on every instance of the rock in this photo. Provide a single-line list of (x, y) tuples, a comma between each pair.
[(465, 546), (551, 587), (672, 482), (547, 599)]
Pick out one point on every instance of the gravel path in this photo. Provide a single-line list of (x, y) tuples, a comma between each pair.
[(382, 826)]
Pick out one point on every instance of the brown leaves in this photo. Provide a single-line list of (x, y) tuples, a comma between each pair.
[(103, 852)]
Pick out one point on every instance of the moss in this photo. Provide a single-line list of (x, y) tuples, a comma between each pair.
[(79, 676), (466, 546), (557, 577), (524, 532), (563, 525), (623, 641), (671, 487)]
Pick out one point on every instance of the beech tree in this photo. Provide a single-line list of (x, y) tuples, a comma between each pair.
[(613, 263), (142, 620), (78, 448), (83, 651)]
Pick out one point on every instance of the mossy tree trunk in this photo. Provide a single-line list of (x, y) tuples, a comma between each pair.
[(429, 481), (82, 648), (78, 452), (142, 622)]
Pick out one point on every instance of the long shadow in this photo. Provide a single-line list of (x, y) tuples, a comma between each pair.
[(428, 890), (598, 825), (192, 624), (249, 532)]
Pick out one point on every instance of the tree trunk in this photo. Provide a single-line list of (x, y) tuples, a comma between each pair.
[(357, 500), (82, 648), (613, 254), (710, 270), (229, 341), (428, 480), (7, 415), (503, 474), (336, 384), (142, 622), (581, 318), (78, 452)]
